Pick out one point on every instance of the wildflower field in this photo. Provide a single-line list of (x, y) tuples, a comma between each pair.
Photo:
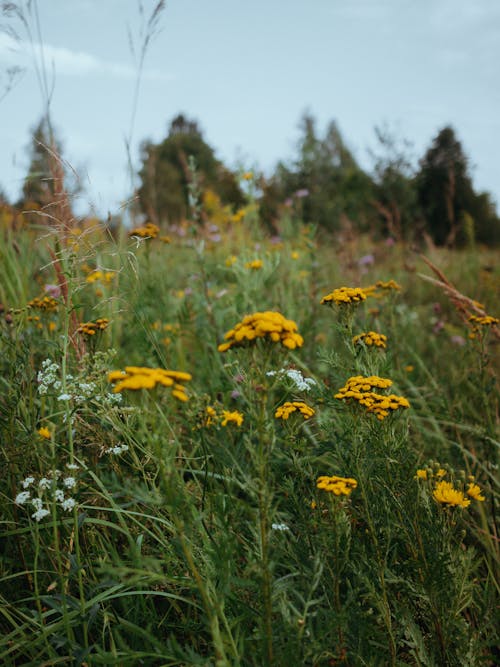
[(225, 448)]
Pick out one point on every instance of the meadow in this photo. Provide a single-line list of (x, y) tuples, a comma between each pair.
[(221, 447)]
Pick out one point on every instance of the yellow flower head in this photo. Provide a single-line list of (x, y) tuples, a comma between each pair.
[(446, 494), (339, 486), (421, 473), (360, 389), (268, 325), (285, 410), (45, 304), (138, 377), (255, 264), (234, 417), (370, 338), (147, 231), (344, 295), (91, 328), (44, 432), (473, 491)]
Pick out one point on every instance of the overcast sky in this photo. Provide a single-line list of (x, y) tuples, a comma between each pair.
[(247, 71)]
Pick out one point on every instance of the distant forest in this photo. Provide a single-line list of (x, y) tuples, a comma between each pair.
[(323, 185)]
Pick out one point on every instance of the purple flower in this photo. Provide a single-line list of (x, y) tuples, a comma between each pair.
[(458, 340), (288, 202), (389, 242), (303, 192), (366, 260), (438, 326), (52, 290), (235, 393)]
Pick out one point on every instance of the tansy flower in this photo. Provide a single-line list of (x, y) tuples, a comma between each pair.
[(91, 328), (138, 377), (285, 410), (473, 491), (446, 494), (45, 304), (269, 325), (339, 486), (344, 295), (147, 231), (370, 338), (360, 389), (235, 417), (254, 264), (44, 432)]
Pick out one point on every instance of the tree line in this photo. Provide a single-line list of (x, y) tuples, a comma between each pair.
[(323, 184)]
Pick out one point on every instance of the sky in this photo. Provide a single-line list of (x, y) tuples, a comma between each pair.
[(247, 71)]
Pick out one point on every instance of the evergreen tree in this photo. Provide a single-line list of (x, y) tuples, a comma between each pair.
[(163, 192), (447, 198)]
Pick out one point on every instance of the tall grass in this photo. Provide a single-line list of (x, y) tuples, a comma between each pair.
[(196, 538)]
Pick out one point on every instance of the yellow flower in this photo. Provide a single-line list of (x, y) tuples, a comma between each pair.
[(247, 176), (139, 377), (474, 491), (147, 231), (269, 325), (345, 295), (91, 328), (339, 486), (235, 417), (285, 410), (370, 338), (44, 432), (360, 389), (409, 368), (231, 260), (446, 494), (421, 473), (254, 264), (294, 255)]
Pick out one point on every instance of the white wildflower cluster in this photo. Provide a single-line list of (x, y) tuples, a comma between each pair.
[(117, 449), (279, 526), (76, 390), (301, 383), (40, 494)]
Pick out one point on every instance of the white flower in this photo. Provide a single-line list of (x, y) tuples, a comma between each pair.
[(279, 526), (117, 449), (72, 466), (40, 514), (69, 482), (302, 383), (37, 503), (68, 504), (64, 397), (22, 497), (44, 483), (27, 482), (59, 495)]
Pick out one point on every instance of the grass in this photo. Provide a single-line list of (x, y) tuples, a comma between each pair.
[(199, 541)]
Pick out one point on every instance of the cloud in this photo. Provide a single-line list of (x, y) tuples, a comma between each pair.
[(67, 62)]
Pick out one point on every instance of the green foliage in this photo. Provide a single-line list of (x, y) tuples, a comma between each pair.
[(446, 194), (165, 179), (201, 539)]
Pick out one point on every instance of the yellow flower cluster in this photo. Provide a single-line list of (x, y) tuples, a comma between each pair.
[(46, 304), (255, 264), (339, 486), (371, 338), (360, 389), (44, 432), (380, 287), (147, 231), (445, 492), (268, 324), (285, 410), (138, 377), (100, 276), (91, 328), (224, 418), (483, 321), (344, 295)]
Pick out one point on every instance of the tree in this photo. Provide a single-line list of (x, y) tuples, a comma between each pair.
[(48, 182), (326, 177), (165, 177), (395, 194), (446, 194)]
